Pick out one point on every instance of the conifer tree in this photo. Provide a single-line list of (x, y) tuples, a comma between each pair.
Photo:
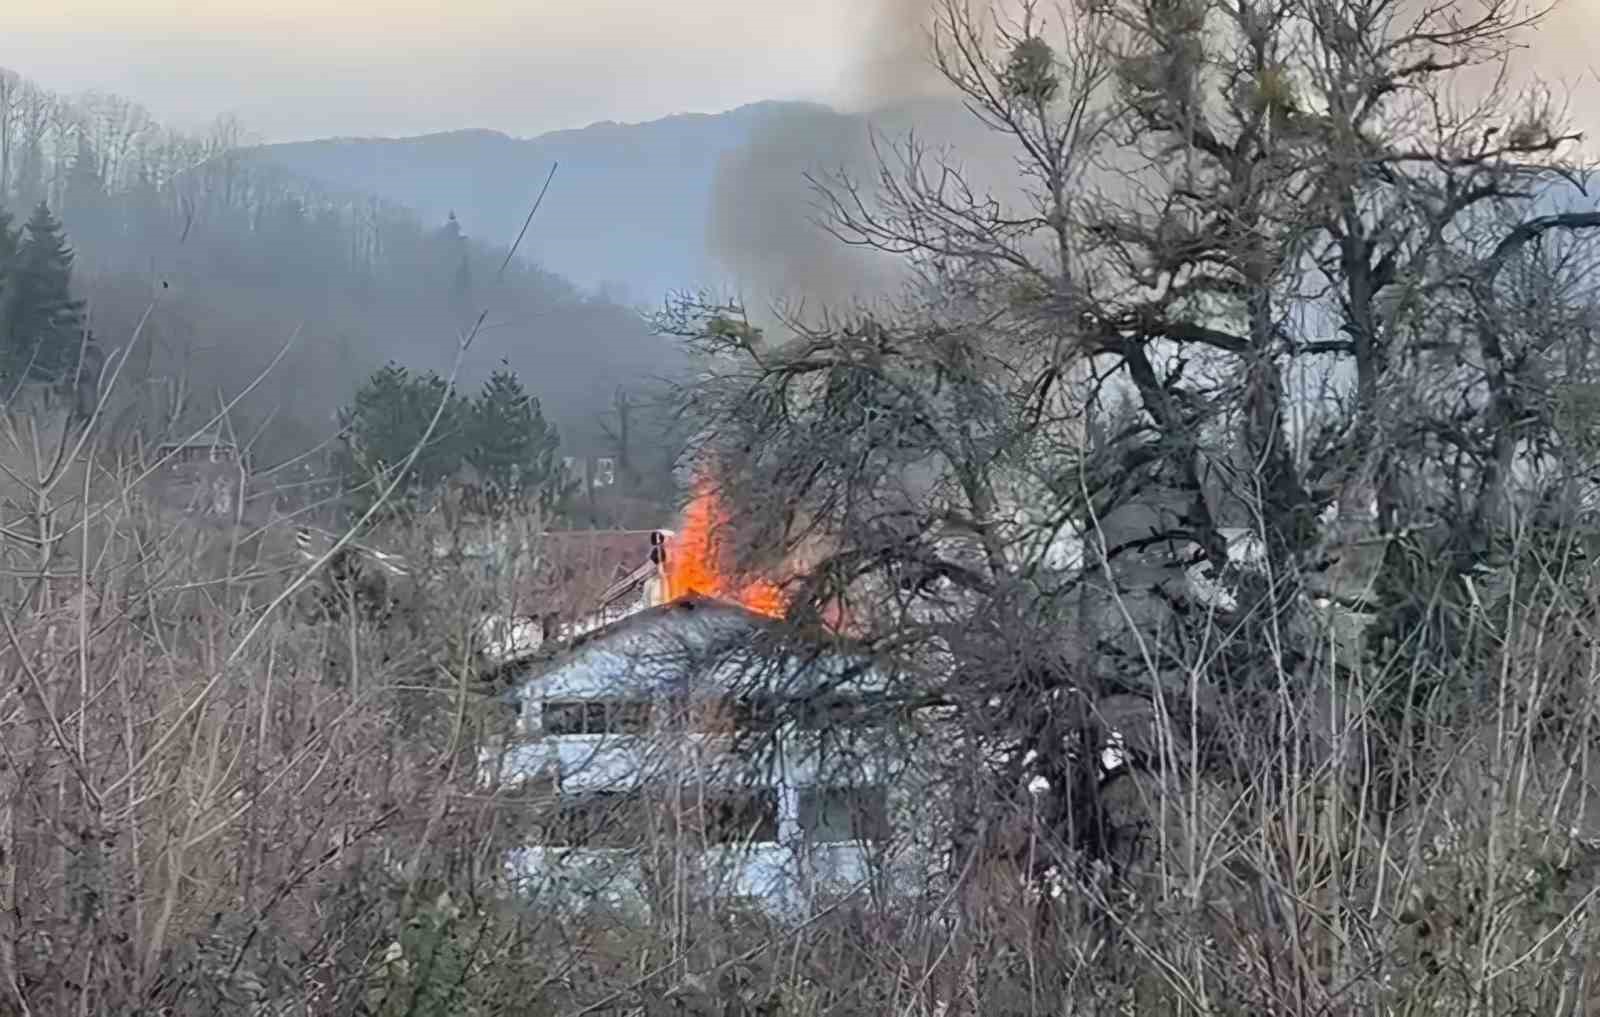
[(511, 445), (388, 419), (461, 286), (454, 246), (42, 326), (8, 258), (8, 253), (85, 196)]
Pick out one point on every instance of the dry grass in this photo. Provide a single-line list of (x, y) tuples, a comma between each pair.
[(210, 805)]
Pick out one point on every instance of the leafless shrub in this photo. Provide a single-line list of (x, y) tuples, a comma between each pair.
[(1226, 493)]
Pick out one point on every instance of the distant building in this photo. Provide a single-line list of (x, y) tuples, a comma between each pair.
[(590, 472), (211, 448), (201, 475)]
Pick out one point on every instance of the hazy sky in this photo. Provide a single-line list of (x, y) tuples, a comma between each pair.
[(309, 68)]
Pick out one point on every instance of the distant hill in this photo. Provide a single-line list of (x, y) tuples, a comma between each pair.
[(628, 206), (672, 203)]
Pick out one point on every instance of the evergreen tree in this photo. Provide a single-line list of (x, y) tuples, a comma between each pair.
[(454, 245), (388, 419), (461, 287), (42, 327), (28, 182), (8, 267), (145, 216), (511, 445), (8, 253)]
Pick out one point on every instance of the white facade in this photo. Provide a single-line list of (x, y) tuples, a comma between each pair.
[(663, 714)]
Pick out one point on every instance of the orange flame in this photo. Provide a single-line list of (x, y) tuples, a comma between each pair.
[(694, 560)]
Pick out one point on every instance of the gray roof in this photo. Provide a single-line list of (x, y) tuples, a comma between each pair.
[(675, 641)]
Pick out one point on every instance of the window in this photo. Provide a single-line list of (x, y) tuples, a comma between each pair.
[(752, 713), (596, 716), (728, 714), (829, 815), (742, 817), (602, 819), (827, 712), (723, 817), (605, 471)]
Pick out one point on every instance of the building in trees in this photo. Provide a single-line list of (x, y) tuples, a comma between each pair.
[(677, 771), (589, 472)]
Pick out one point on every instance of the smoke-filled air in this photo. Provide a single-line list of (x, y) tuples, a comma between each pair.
[(893, 508)]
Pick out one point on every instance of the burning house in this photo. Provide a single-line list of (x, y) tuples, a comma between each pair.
[(694, 737), (699, 736)]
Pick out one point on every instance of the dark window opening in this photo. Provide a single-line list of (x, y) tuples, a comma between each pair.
[(737, 817), (739, 713), (829, 815), (828, 712), (721, 715), (596, 716), (602, 819)]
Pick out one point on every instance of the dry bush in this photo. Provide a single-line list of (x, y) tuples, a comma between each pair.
[(209, 801), (213, 807)]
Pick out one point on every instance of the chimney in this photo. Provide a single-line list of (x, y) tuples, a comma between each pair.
[(656, 588)]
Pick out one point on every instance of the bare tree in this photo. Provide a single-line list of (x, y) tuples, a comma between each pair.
[(1256, 281)]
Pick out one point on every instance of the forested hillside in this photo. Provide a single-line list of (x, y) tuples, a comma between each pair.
[(675, 203), (628, 209), (240, 257)]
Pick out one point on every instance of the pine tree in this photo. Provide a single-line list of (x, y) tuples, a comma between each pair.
[(8, 258), (8, 253), (388, 419), (147, 222), (85, 207), (42, 328), (454, 245), (511, 445), (461, 287)]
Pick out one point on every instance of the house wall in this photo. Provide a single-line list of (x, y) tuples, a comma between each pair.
[(793, 764)]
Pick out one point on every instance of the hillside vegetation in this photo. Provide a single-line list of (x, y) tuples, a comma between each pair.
[(240, 258), (1229, 500)]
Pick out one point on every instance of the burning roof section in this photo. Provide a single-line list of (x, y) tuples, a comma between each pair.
[(697, 560)]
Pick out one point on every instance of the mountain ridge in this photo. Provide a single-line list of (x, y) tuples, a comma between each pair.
[(626, 211), (636, 210)]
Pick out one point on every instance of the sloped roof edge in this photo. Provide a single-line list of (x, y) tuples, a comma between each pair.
[(543, 661)]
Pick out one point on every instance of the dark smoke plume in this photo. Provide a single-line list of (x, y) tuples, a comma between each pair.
[(761, 226)]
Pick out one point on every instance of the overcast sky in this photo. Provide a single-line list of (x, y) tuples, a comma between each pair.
[(294, 69), (309, 68)]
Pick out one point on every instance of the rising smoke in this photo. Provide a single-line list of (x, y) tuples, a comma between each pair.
[(765, 225), (762, 226), (894, 62)]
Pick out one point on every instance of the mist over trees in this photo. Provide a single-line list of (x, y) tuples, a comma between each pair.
[(240, 257)]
